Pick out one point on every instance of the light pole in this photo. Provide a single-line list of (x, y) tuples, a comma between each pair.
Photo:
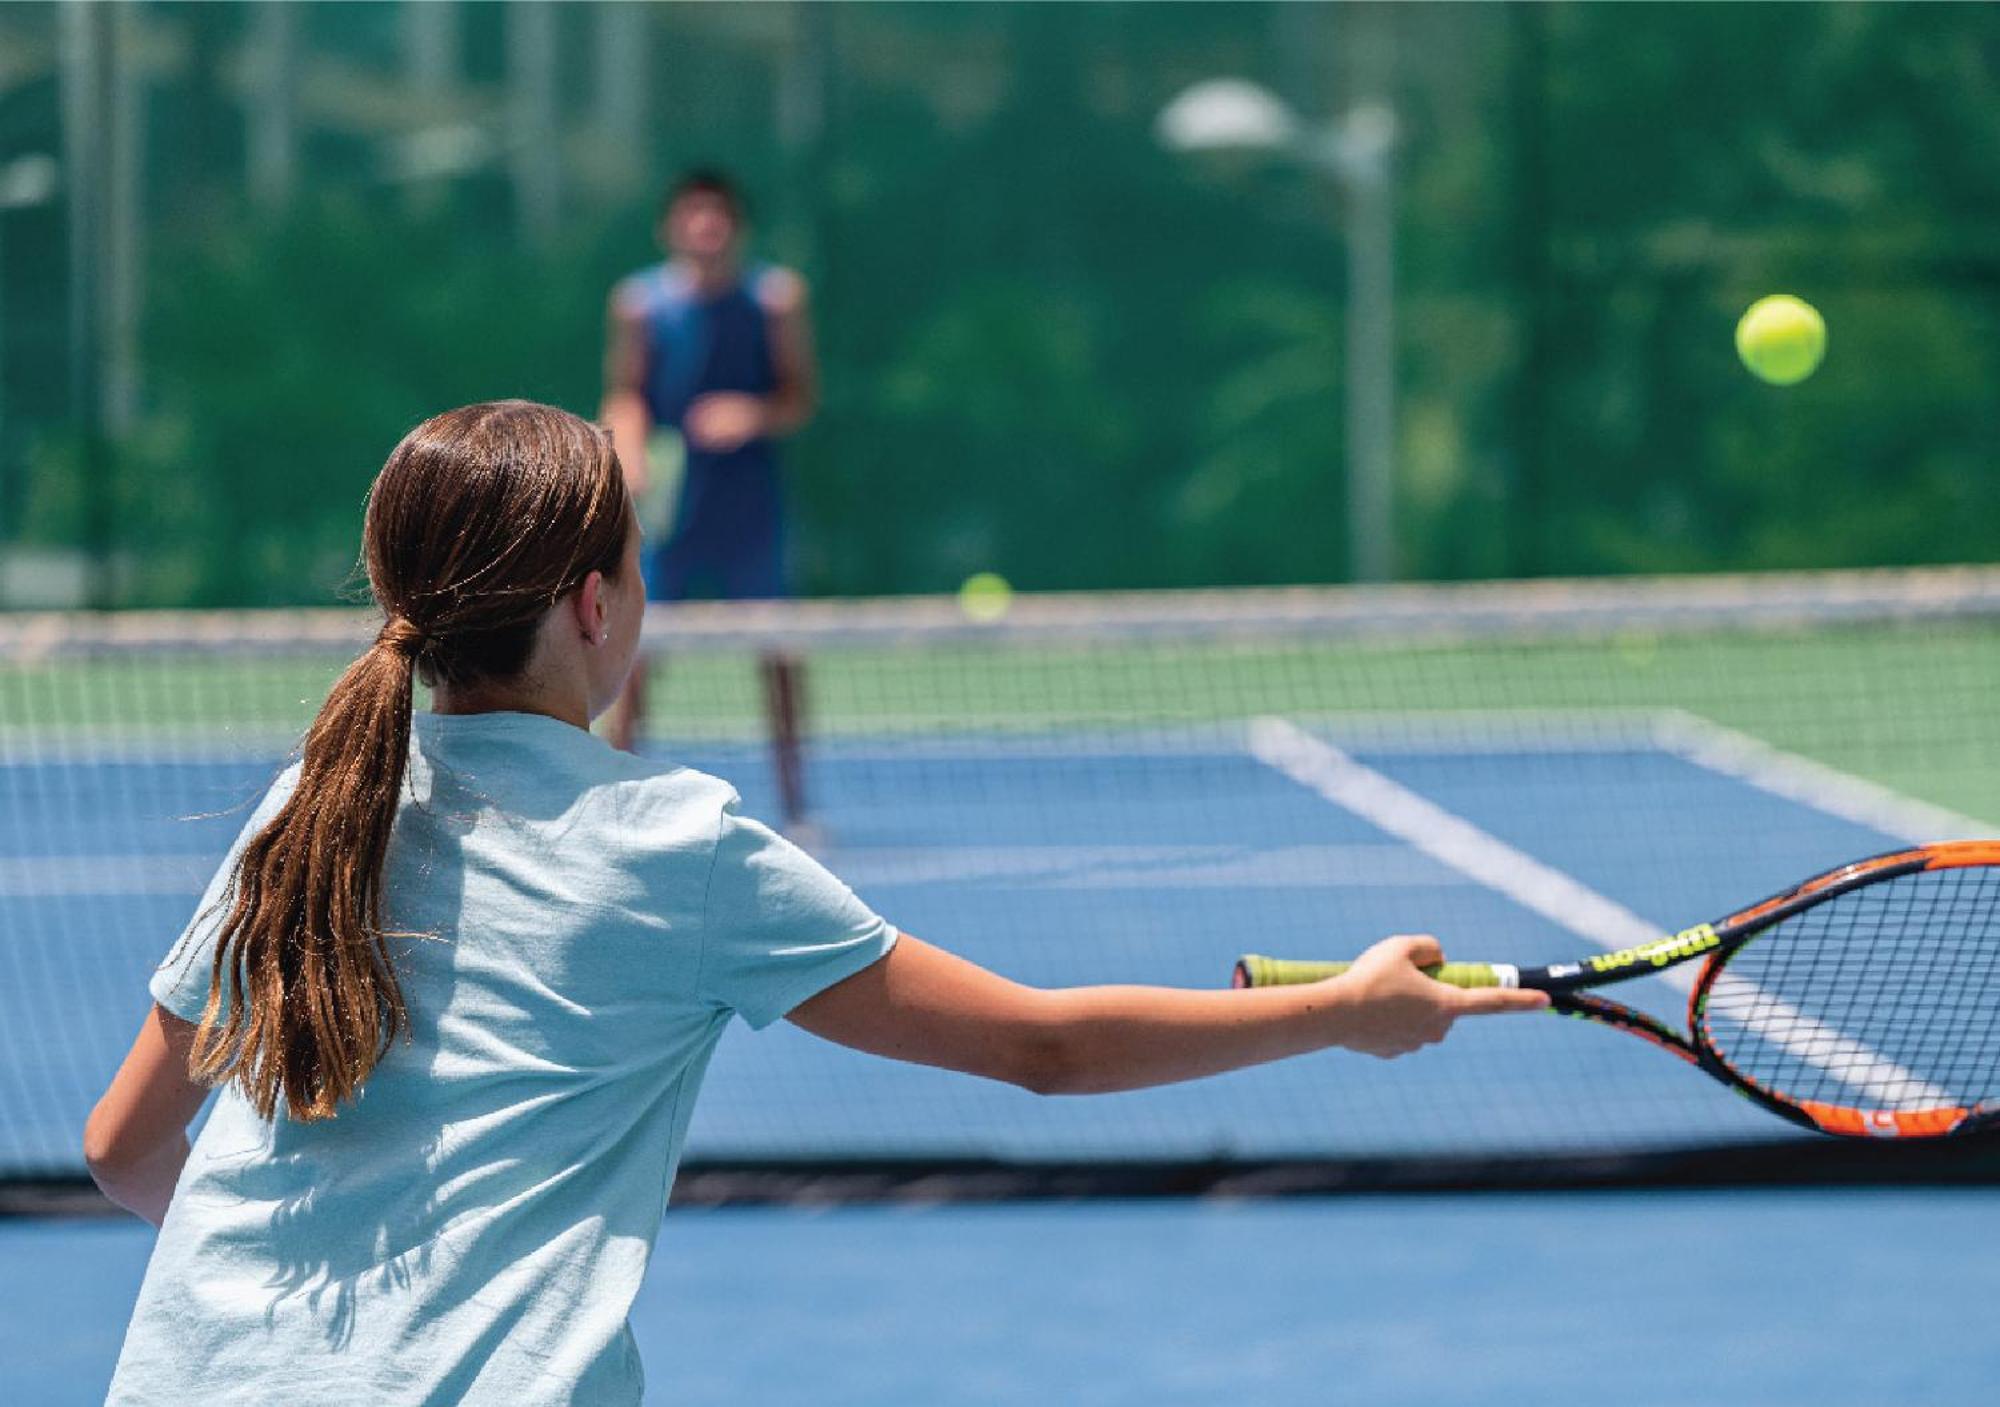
[(1233, 114)]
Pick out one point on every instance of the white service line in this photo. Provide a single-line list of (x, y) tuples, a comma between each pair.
[(1151, 867), (1390, 806), (91, 876)]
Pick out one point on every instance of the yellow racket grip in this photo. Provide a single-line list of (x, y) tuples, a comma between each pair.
[(1255, 971)]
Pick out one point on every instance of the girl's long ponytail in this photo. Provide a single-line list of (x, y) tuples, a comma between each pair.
[(312, 998)]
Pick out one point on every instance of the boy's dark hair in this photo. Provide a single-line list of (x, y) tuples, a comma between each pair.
[(707, 180)]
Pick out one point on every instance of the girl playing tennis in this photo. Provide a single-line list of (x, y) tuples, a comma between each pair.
[(462, 972)]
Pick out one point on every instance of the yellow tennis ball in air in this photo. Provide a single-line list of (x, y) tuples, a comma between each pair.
[(1781, 339), (985, 596)]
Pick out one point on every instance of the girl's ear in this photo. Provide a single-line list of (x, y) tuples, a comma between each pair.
[(590, 607)]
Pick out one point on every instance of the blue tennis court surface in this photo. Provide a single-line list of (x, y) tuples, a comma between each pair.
[(1747, 1299), (1116, 855)]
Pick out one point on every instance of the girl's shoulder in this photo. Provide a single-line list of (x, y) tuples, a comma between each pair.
[(667, 795)]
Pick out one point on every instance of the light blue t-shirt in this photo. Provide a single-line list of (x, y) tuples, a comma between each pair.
[(474, 1226)]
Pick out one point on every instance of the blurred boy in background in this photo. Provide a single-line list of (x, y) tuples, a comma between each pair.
[(711, 357)]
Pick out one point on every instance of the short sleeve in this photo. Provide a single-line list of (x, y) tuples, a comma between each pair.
[(780, 291), (778, 926), (180, 983), (632, 296)]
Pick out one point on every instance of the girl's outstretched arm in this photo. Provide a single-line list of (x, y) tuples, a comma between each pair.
[(921, 1004)]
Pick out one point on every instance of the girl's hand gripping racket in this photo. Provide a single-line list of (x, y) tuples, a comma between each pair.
[(1865, 1001)]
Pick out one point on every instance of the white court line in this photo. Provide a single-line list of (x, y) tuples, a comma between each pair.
[(1153, 867), (195, 743), (1826, 789), (1390, 806), (86, 876)]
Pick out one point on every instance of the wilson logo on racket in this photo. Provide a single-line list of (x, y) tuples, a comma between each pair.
[(1669, 950), (1863, 1002)]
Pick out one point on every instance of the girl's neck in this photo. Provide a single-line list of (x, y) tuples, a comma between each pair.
[(512, 697)]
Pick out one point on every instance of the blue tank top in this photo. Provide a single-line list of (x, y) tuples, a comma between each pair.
[(695, 345)]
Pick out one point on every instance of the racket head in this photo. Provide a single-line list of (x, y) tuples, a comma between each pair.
[(1866, 1001)]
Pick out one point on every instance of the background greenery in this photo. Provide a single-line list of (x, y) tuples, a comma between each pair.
[(1053, 348)]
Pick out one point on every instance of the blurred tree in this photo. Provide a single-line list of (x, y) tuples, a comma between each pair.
[(289, 358), (1057, 351), (1811, 148)]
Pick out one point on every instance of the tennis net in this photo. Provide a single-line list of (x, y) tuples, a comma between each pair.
[(1109, 788)]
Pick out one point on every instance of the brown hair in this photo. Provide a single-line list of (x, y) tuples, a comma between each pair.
[(482, 519), (707, 180)]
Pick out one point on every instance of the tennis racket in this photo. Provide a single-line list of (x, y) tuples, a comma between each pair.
[(1863, 1002)]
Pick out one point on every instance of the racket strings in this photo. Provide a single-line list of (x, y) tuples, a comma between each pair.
[(1885, 997)]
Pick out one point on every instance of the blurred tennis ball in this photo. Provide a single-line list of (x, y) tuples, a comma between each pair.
[(985, 596), (1781, 339)]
